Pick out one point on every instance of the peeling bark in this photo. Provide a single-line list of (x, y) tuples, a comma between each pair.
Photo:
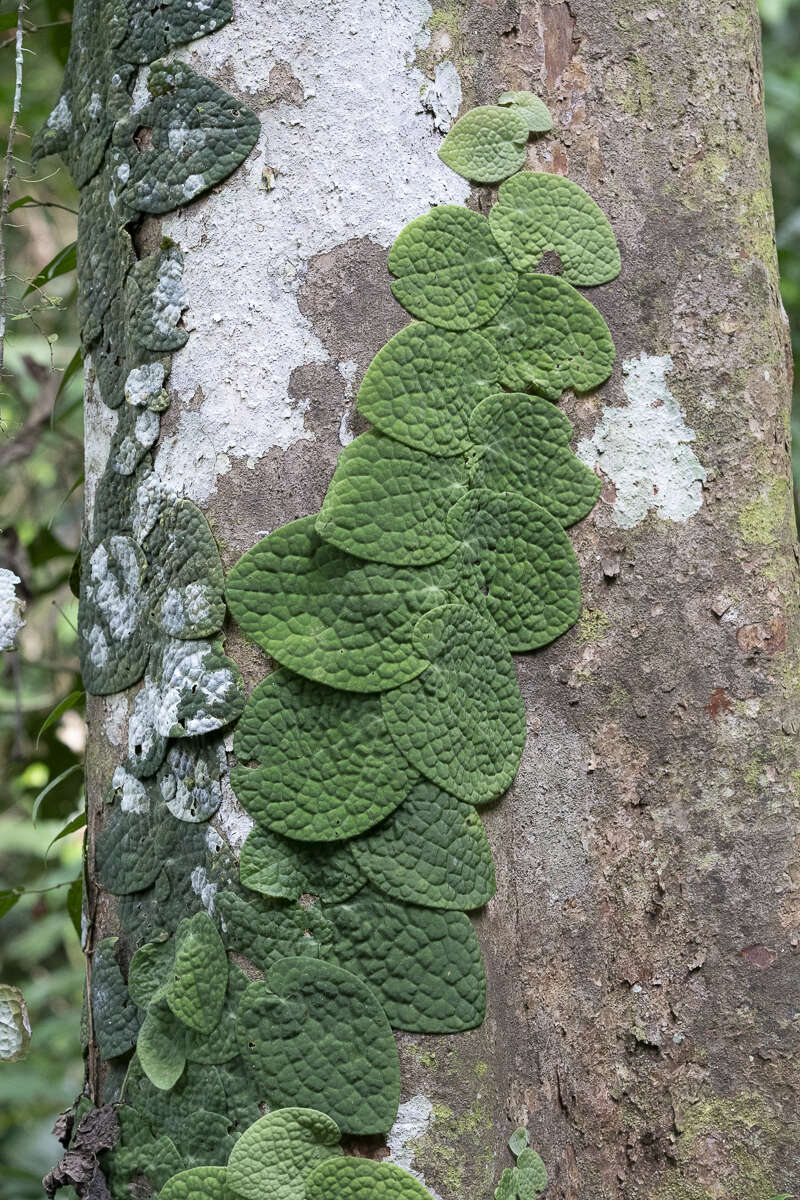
[(642, 946)]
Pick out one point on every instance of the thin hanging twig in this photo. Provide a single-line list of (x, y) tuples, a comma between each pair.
[(9, 171)]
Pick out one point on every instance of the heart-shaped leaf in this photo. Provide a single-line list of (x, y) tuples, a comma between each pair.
[(275, 1156), (328, 768), (329, 616), (432, 851), (316, 1035), (449, 269), (422, 386), (462, 723), (550, 338), (486, 144)]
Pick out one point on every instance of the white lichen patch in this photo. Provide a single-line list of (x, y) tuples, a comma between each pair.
[(414, 1119), (204, 889), (144, 385), (99, 425), (168, 298), (644, 448), (115, 587), (11, 608), (231, 819), (115, 718), (356, 159), (442, 98), (131, 792), (184, 607)]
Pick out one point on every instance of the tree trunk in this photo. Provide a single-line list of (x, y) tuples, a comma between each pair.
[(641, 949)]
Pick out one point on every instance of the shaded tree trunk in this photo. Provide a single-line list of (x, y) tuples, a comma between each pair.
[(641, 948)]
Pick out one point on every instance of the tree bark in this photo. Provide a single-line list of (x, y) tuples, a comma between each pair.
[(642, 946)]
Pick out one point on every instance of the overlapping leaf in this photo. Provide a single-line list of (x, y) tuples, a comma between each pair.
[(524, 563), (432, 851), (329, 616), (425, 965), (198, 135), (529, 106), (538, 212), (486, 144), (422, 386), (189, 778), (195, 991), (185, 579), (198, 1183), (388, 502), (521, 444), (113, 606), (462, 722), (449, 270), (316, 1036), (116, 1018), (283, 869), (550, 338), (328, 768), (275, 1156), (363, 1179), (161, 1046), (265, 933)]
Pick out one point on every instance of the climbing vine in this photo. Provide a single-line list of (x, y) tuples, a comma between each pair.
[(394, 713)]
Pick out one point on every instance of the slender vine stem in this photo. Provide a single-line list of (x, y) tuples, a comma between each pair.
[(9, 170)]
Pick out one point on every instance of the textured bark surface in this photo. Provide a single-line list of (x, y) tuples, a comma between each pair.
[(642, 947)]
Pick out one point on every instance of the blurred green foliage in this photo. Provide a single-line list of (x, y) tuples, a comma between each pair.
[(40, 511), (41, 461), (780, 21)]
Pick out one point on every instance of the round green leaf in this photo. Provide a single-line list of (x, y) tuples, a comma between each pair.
[(317, 1036), (388, 502), (329, 616), (550, 338), (115, 1015), (328, 768), (486, 144), (277, 867), (432, 851), (161, 1046), (275, 1156), (198, 1183), (112, 616), (425, 965), (266, 932), (149, 971), (462, 723), (538, 212), (522, 445), (422, 386), (524, 564), (185, 579), (220, 1045), (534, 110), (363, 1179), (449, 269), (196, 988)]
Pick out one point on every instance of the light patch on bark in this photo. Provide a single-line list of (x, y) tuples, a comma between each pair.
[(10, 609), (231, 819), (442, 98), (99, 424), (414, 1118), (356, 158), (115, 718), (644, 448)]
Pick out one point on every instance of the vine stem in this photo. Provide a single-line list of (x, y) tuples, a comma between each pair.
[(9, 171)]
